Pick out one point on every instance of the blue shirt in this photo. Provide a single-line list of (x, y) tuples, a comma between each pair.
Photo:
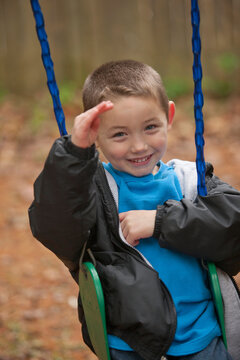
[(182, 274)]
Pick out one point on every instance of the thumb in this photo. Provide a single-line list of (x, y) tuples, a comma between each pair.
[(122, 216)]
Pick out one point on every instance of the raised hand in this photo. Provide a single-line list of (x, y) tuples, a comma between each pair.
[(137, 224), (85, 128)]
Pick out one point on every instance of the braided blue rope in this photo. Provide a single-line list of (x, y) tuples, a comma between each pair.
[(48, 65), (199, 141), (198, 98)]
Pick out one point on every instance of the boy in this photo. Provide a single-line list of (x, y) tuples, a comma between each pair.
[(148, 250)]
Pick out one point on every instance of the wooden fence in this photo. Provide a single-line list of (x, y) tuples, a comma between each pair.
[(86, 33)]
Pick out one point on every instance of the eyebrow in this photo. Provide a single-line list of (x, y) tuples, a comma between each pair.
[(150, 120), (125, 127), (118, 128)]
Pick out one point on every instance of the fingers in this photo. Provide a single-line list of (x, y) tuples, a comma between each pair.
[(122, 216), (136, 242), (137, 224), (124, 224), (86, 125), (104, 106), (125, 229), (90, 114), (88, 117), (128, 229)]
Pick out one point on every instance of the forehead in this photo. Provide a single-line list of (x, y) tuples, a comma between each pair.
[(135, 108)]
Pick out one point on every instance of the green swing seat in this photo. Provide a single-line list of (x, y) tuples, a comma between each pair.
[(217, 298), (94, 309)]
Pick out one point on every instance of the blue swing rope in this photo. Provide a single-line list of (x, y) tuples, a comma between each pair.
[(199, 142), (198, 98), (48, 65)]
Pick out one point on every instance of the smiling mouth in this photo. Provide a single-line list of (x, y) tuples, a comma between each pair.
[(140, 161)]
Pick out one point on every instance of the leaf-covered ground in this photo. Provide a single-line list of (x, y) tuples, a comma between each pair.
[(38, 316)]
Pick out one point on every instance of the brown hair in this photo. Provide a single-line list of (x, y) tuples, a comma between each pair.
[(123, 78)]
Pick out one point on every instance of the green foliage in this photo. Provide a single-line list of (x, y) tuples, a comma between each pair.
[(3, 93), (39, 115), (220, 88), (40, 112), (177, 87), (223, 80), (67, 92), (227, 62), (220, 82)]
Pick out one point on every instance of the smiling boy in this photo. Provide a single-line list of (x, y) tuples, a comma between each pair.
[(156, 292), (133, 135)]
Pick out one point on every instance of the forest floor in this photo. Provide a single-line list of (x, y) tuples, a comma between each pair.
[(38, 316)]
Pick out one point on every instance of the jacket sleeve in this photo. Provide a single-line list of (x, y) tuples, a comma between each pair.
[(207, 228), (63, 211)]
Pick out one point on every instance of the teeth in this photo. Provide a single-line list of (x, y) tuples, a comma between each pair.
[(140, 160)]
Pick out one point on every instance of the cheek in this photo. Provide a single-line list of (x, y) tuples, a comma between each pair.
[(115, 150), (118, 150), (159, 141)]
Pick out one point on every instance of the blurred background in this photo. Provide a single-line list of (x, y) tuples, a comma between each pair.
[(38, 317)]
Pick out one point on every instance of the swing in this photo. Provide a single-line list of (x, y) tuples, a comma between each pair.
[(89, 283)]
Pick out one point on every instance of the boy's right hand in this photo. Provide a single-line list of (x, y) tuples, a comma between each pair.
[(85, 128), (137, 224)]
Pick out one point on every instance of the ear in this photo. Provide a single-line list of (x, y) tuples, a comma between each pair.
[(171, 113)]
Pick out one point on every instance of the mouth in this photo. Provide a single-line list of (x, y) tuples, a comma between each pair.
[(141, 160)]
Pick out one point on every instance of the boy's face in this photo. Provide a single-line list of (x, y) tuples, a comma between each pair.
[(133, 135)]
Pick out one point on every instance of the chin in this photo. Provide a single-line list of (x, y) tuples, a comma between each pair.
[(140, 172)]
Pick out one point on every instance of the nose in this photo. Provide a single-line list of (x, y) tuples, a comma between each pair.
[(138, 145)]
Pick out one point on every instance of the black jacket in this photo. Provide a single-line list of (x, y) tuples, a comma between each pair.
[(73, 204)]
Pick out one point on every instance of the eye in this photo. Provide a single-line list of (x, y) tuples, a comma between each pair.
[(151, 127), (119, 134)]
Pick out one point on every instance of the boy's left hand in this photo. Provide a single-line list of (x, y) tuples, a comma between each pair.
[(137, 224)]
